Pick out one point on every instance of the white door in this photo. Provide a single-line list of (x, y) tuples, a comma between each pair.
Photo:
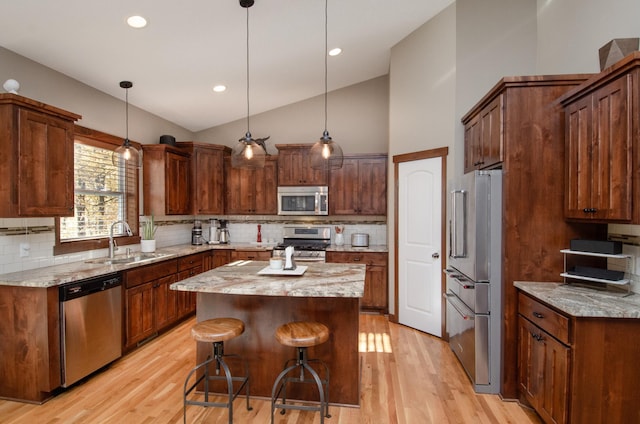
[(419, 244)]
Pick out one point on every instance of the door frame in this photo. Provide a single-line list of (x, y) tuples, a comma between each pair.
[(442, 153)]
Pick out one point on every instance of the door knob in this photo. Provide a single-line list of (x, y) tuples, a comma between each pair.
[(435, 255)]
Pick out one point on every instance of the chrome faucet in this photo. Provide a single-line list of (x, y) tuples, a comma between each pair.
[(112, 243)]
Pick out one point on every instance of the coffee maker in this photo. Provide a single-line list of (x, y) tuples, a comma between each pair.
[(214, 231), (224, 232), (196, 233)]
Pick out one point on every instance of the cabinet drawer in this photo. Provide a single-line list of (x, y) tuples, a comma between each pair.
[(254, 255), (191, 261), (141, 275), (364, 258), (544, 317)]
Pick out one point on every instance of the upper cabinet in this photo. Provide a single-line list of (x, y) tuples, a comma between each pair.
[(601, 133), (207, 176), (294, 166), (167, 180), (36, 165), (359, 187), (483, 136), (251, 191)]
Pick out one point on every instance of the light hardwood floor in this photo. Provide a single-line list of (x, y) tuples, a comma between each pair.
[(407, 377)]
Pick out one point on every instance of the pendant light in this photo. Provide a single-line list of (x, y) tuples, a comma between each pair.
[(248, 153), (126, 153), (326, 153)]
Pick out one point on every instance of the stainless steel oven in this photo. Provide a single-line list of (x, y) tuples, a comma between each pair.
[(303, 200), (309, 242), (474, 277)]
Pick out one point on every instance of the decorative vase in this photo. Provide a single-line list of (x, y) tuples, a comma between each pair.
[(147, 246), (339, 239)]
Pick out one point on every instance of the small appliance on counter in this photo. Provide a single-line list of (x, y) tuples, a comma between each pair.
[(196, 233), (360, 240), (224, 232), (214, 231)]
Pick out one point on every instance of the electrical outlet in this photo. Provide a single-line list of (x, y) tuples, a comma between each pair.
[(25, 248)]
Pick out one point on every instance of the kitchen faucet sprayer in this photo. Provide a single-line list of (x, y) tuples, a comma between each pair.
[(112, 243)]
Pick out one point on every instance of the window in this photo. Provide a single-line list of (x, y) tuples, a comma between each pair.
[(104, 194)]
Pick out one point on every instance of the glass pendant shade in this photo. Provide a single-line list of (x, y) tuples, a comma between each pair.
[(126, 154), (247, 154), (326, 153)]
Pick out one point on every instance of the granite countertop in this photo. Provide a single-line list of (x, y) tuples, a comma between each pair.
[(583, 302), (241, 277)]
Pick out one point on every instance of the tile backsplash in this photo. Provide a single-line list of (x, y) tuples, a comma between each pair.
[(36, 238)]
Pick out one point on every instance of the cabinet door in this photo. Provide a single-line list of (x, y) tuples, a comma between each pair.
[(208, 184), (221, 257), (166, 301), (265, 189), (472, 148), (543, 372), (139, 315), (294, 168), (343, 189), (177, 185), (238, 191), (578, 145), (375, 288), (45, 173), (372, 187), (492, 134)]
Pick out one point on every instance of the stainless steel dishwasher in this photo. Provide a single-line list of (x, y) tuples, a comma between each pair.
[(91, 325)]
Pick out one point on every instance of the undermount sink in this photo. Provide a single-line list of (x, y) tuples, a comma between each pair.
[(130, 259)]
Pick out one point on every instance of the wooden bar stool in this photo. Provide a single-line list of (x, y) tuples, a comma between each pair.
[(301, 335), (217, 331)]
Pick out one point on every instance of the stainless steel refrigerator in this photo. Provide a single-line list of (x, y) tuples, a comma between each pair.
[(474, 280)]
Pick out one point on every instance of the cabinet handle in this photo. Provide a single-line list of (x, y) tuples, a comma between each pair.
[(538, 315), (356, 259), (589, 210), (538, 337)]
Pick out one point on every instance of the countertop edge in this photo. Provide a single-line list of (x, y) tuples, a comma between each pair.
[(582, 302)]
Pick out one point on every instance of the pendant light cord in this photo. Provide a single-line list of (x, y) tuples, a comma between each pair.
[(326, 46), (248, 130), (126, 112)]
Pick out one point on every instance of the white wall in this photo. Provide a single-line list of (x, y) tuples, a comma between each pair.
[(357, 120)]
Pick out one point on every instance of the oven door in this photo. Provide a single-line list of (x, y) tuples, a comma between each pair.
[(461, 326)]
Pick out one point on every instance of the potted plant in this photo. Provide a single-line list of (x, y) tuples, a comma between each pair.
[(148, 234)]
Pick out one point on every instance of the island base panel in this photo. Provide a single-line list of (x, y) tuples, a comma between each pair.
[(266, 357)]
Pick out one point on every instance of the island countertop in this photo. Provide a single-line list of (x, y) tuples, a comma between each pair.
[(319, 280)]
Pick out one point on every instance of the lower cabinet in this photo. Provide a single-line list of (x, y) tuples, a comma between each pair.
[(149, 303), (376, 290), (577, 370), (251, 255), (188, 266)]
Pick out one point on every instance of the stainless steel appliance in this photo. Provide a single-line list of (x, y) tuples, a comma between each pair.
[(224, 232), (214, 231), (474, 277), (359, 240), (91, 325), (309, 243), (196, 233), (302, 200)]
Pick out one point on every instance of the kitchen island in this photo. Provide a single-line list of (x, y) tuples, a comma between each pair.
[(327, 293)]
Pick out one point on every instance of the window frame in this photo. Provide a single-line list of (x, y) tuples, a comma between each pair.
[(107, 141)]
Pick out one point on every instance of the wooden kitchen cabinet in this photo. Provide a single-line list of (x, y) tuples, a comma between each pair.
[(207, 176), (36, 165), (166, 180), (577, 369), (251, 191), (601, 135), (359, 187), (483, 136), (188, 266), (294, 167), (250, 254), (376, 290), (149, 303)]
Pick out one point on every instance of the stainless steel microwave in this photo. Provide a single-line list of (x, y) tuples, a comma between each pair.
[(302, 200)]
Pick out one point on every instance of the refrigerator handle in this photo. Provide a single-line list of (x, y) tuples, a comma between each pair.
[(458, 225)]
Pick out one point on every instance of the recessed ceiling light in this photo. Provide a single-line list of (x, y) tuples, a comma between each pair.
[(219, 88), (136, 21), (335, 52)]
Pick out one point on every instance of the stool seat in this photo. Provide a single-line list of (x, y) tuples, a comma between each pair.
[(217, 330), (302, 334)]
